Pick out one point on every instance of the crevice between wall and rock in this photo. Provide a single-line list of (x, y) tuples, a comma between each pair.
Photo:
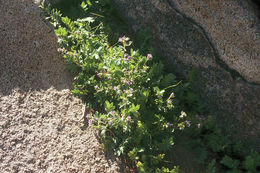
[(235, 74)]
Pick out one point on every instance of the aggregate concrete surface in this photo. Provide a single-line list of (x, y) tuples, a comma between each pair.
[(39, 127)]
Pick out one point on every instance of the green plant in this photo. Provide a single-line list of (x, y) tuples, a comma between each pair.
[(251, 162), (131, 98), (134, 103), (227, 155)]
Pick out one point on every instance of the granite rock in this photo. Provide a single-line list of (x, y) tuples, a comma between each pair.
[(220, 40), (40, 129)]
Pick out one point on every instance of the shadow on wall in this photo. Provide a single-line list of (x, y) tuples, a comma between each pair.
[(256, 4), (29, 57), (67, 7)]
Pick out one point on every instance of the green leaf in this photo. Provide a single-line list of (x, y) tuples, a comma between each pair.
[(134, 108), (211, 168), (252, 161), (166, 144), (67, 21), (146, 93), (61, 31), (229, 162), (168, 80), (84, 5), (217, 142), (89, 2), (109, 106)]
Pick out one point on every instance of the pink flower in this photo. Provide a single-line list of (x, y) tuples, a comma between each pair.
[(60, 50), (149, 56), (128, 119), (112, 112), (127, 58), (99, 75), (124, 81), (169, 124), (88, 115), (122, 39), (115, 88)]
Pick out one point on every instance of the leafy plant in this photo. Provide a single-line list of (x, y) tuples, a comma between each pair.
[(134, 103), (131, 97), (251, 162), (229, 162), (211, 168)]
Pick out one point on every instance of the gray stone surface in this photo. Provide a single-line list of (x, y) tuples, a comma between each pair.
[(222, 46), (40, 129), (233, 28)]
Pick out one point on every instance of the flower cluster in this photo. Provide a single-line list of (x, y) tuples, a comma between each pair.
[(127, 58), (183, 115), (115, 88), (169, 124), (91, 119), (169, 101), (184, 124), (127, 82), (97, 88), (61, 50), (129, 91), (128, 119), (123, 39)]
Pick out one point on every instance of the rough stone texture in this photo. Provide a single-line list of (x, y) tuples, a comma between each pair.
[(39, 127), (233, 29), (220, 40)]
